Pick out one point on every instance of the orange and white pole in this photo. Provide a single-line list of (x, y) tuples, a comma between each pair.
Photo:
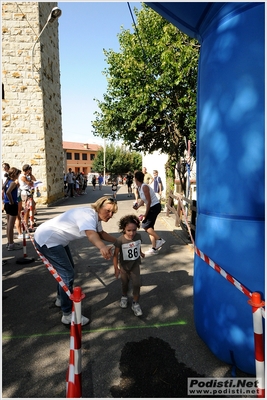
[(31, 213), (257, 305), (74, 373)]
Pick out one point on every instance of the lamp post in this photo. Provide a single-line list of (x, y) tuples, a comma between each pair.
[(104, 156), (55, 13)]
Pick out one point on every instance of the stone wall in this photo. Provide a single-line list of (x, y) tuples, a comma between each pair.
[(31, 107)]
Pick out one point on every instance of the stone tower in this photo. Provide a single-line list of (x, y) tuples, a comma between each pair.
[(31, 101)]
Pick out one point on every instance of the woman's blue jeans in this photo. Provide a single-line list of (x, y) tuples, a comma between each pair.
[(61, 259)]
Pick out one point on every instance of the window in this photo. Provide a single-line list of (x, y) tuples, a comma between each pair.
[(76, 156), (69, 156), (92, 157), (84, 156)]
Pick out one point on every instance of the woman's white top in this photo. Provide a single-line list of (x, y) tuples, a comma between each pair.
[(23, 185), (153, 196), (68, 226)]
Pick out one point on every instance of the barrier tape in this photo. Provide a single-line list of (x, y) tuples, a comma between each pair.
[(216, 267), (48, 265), (223, 273)]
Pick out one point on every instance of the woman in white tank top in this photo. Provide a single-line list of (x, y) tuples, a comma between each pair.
[(153, 208)]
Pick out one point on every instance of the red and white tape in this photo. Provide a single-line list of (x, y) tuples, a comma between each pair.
[(223, 273), (48, 265)]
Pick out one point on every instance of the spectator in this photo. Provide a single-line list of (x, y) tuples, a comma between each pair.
[(18, 218), (11, 206), (148, 178), (157, 184), (84, 178), (94, 181), (26, 182), (70, 182), (119, 180), (5, 167), (129, 182), (100, 181)]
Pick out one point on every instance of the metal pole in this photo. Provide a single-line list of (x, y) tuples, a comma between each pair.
[(104, 161)]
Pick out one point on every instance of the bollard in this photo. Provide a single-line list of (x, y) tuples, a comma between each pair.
[(74, 372), (31, 214), (257, 304), (24, 259)]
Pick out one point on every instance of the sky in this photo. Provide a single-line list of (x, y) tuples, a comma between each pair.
[(85, 29)]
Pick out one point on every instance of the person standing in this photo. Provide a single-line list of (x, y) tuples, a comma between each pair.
[(100, 181), (153, 208), (52, 240), (148, 178), (5, 169), (11, 206), (129, 182), (157, 184), (94, 181), (128, 255), (70, 182), (26, 184)]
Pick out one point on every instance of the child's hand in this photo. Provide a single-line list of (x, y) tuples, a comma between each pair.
[(142, 254)]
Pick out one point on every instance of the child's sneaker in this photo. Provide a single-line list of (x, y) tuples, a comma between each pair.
[(137, 309), (124, 302)]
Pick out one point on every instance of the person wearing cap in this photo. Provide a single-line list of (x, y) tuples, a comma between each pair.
[(52, 240)]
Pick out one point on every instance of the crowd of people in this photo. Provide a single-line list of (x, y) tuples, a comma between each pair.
[(52, 238), (75, 184), (18, 189)]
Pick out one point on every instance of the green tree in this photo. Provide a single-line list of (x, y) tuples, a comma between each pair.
[(118, 160), (150, 102)]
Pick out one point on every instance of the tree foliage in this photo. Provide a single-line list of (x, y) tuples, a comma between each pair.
[(118, 160), (150, 102)]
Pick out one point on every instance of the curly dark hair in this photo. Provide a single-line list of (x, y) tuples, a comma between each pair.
[(128, 219)]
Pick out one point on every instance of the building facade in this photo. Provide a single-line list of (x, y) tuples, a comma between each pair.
[(31, 98), (80, 156)]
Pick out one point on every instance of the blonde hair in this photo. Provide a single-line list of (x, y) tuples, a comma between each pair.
[(105, 200)]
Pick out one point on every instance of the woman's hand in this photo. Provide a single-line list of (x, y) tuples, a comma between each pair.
[(116, 272), (106, 252)]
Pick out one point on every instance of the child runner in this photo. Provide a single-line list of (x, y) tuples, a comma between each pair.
[(127, 253), (114, 188)]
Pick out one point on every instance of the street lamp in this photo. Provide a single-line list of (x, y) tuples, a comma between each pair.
[(104, 156), (55, 13)]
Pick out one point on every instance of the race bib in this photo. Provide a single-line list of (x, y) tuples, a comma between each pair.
[(131, 251)]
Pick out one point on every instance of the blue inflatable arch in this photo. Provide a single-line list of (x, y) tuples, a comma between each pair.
[(230, 168)]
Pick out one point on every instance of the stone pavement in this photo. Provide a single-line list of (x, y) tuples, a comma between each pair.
[(35, 350)]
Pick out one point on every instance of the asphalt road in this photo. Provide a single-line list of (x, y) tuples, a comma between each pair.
[(122, 355)]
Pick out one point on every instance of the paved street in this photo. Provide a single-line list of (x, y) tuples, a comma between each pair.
[(116, 344)]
